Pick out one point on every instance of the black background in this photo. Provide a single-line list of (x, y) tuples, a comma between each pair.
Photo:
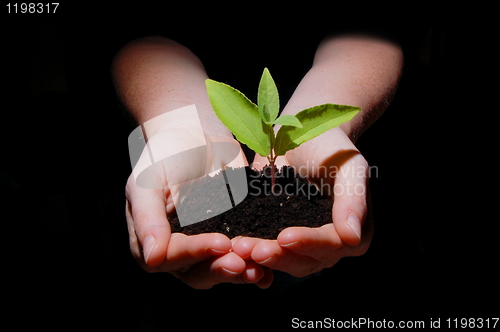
[(65, 163)]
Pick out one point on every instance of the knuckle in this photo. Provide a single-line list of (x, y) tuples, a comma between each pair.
[(129, 186)]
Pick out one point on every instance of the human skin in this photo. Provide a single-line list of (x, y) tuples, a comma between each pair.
[(350, 70), (154, 75)]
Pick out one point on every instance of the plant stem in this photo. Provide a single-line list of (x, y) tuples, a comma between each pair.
[(273, 174)]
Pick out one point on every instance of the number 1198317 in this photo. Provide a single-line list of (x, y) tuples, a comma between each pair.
[(471, 323), (32, 8)]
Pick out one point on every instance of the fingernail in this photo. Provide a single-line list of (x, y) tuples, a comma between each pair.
[(148, 246), (218, 252), (229, 271), (289, 244), (265, 260), (355, 224), (251, 276)]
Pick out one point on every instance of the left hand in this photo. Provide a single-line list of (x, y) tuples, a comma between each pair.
[(201, 261), (334, 160)]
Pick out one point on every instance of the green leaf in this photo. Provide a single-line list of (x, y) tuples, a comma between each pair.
[(268, 98), (240, 115), (287, 120), (315, 121)]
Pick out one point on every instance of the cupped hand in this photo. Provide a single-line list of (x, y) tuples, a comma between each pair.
[(333, 162), (201, 261)]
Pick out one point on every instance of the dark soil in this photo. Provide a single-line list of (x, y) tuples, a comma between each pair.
[(262, 214)]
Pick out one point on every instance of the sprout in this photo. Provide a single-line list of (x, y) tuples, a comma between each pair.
[(253, 124)]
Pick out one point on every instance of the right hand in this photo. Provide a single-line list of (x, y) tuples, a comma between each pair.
[(201, 261), (301, 251)]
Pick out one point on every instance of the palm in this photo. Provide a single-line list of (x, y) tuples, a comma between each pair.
[(301, 250), (201, 260)]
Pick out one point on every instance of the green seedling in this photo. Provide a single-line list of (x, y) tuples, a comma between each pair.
[(253, 124)]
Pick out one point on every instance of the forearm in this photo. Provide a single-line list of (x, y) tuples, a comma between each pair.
[(351, 70), (154, 75)]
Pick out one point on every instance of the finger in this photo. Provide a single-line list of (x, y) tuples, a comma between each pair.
[(253, 273), (243, 246), (222, 269), (228, 266), (147, 218), (349, 206), (185, 251), (135, 246), (270, 254), (266, 252), (348, 188), (267, 279), (260, 275), (319, 243)]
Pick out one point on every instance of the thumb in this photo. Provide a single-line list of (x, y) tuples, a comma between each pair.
[(349, 207), (149, 228)]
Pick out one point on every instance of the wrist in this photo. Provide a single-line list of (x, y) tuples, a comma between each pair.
[(353, 129)]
